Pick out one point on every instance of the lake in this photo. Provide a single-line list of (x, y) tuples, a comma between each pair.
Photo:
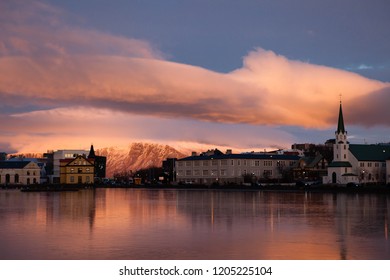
[(175, 224)]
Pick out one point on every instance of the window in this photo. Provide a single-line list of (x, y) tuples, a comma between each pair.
[(72, 170), (244, 162), (369, 164), (188, 173), (214, 172), (79, 170), (257, 162), (205, 173), (362, 164), (72, 179), (197, 172), (232, 162), (197, 163), (224, 162), (180, 163), (87, 179), (280, 163), (238, 162), (205, 163), (214, 162), (188, 163), (223, 172), (345, 156), (268, 163)]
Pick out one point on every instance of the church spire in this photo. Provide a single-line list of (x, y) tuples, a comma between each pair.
[(91, 152), (340, 125)]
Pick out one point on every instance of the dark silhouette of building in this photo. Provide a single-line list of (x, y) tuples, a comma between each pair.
[(169, 169), (100, 163)]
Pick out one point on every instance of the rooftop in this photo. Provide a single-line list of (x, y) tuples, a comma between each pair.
[(370, 152)]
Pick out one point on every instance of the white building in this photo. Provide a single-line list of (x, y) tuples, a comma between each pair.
[(357, 163), (19, 172), (216, 167)]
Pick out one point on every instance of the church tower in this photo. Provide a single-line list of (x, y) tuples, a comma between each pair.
[(340, 170), (341, 147), (92, 152)]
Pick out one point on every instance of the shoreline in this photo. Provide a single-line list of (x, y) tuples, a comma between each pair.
[(270, 187)]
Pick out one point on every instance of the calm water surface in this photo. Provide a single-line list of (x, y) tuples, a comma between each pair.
[(193, 224)]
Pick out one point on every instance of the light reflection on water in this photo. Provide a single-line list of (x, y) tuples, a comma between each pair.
[(193, 224)]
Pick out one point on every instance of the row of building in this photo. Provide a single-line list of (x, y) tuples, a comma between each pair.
[(336, 162), (56, 167), (345, 163)]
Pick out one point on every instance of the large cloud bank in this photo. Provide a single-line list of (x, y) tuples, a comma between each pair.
[(47, 63)]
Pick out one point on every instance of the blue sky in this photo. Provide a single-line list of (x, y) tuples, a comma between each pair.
[(212, 72)]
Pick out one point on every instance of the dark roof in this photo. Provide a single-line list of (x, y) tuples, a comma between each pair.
[(370, 152), (340, 164), (340, 124), (242, 156), (13, 164)]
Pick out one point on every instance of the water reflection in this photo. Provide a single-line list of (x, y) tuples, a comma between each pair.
[(192, 224)]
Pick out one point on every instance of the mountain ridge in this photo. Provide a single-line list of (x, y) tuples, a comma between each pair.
[(136, 156)]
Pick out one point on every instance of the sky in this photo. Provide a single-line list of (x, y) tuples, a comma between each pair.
[(248, 75)]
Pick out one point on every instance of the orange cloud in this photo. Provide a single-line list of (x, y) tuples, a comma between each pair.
[(46, 62)]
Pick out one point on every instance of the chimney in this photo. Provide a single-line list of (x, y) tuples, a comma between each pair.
[(229, 152), (193, 154)]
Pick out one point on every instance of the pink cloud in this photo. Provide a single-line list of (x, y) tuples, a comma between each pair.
[(45, 61)]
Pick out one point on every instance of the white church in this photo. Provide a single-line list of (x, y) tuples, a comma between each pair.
[(356, 163)]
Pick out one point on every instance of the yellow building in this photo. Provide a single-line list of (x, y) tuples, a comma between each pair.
[(79, 170)]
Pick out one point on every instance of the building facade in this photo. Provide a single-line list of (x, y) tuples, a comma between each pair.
[(78, 170), (356, 163), (216, 167), (310, 168), (19, 172)]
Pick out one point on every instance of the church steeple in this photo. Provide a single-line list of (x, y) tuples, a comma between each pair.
[(340, 125), (91, 152)]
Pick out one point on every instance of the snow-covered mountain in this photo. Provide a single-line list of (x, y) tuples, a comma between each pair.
[(136, 156)]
